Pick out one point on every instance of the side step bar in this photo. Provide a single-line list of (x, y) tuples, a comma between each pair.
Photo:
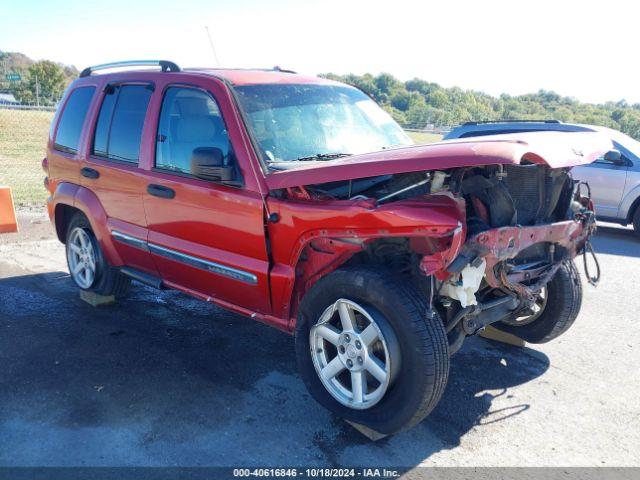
[(142, 277)]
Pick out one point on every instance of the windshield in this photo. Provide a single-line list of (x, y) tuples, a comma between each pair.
[(303, 122), (632, 145)]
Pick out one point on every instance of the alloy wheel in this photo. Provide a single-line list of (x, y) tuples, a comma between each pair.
[(81, 257), (352, 355)]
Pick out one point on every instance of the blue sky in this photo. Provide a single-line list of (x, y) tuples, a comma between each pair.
[(583, 49)]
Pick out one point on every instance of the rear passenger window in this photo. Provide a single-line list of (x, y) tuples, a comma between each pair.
[(72, 119), (189, 119), (119, 128)]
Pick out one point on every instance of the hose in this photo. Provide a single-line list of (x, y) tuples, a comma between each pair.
[(589, 248)]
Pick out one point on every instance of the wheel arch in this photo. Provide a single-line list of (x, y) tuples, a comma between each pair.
[(318, 255), (631, 203), (69, 199), (62, 216), (634, 207)]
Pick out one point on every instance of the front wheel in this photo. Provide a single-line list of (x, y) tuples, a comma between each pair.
[(554, 311), (369, 352), (636, 221)]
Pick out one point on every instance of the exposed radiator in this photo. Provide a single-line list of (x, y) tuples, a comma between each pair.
[(535, 191), (526, 184)]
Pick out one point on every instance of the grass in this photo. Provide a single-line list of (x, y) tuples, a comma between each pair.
[(23, 143), (424, 137)]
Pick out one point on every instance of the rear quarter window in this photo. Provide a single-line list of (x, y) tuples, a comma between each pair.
[(72, 119)]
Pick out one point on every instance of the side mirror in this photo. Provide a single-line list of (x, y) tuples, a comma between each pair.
[(615, 157), (208, 163)]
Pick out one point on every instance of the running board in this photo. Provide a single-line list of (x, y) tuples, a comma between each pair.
[(142, 277)]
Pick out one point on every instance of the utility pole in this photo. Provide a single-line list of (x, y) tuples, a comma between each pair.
[(37, 92), (213, 49)]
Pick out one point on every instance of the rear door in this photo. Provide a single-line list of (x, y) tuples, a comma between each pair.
[(112, 168), (206, 237)]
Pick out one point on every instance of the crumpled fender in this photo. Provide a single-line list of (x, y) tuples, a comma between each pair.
[(330, 232)]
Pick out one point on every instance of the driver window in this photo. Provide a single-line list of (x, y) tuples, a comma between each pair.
[(189, 119), (623, 157), (603, 161)]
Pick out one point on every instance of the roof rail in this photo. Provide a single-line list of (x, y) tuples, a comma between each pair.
[(481, 122), (283, 70), (165, 65)]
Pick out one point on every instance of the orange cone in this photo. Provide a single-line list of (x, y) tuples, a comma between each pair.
[(8, 223)]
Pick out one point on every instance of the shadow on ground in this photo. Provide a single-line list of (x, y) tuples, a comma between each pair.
[(161, 379), (616, 241)]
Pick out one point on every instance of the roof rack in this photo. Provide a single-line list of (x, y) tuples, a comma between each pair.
[(244, 69), (165, 65), (510, 121), (283, 70)]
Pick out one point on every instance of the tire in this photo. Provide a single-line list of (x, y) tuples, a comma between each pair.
[(418, 346), (564, 299), (636, 221), (106, 279)]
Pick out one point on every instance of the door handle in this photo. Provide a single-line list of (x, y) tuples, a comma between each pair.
[(160, 191), (89, 173)]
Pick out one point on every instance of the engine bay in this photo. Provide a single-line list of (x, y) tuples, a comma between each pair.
[(518, 230)]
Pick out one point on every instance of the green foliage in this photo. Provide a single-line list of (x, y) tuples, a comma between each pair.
[(49, 78), (416, 103), (44, 77)]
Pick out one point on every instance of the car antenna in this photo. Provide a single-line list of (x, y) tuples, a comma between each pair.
[(213, 49)]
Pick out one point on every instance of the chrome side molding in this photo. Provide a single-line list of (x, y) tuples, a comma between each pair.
[(129, 240), (186, 259)]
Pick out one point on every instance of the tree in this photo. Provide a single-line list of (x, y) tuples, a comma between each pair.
[(45, 83), (418, 102)]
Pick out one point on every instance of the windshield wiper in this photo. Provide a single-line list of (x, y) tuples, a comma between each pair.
[(322, 156)]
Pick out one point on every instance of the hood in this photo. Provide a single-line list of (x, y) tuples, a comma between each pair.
[(556, 149)]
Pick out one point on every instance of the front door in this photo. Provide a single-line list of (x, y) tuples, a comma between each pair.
[(205, 237), (607, 182)]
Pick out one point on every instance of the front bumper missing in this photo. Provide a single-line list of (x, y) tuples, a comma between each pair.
[(498, 245)]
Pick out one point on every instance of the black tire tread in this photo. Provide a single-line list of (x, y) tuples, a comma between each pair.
[(561, 311), (428, 328), (636, 221), (430, 331)]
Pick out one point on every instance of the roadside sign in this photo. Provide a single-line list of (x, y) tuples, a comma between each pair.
[(12, 77)]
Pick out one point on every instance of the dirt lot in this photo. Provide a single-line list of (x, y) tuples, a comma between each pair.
[(161, 379)]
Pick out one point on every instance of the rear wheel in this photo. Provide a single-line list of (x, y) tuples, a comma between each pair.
[(636, 221), (554, 311), (368, 351), (88, 267)]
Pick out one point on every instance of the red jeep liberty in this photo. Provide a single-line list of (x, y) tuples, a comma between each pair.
[(299, 202)]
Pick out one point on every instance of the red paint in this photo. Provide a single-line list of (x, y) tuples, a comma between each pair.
[(228, 225), (555, 149)]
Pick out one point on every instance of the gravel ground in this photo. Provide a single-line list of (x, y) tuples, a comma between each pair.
[(164, 380)]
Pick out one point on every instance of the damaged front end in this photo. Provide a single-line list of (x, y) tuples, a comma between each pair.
[(523, 222), (481, 228)]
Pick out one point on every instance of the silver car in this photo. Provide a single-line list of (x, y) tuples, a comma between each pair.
[(614, 179)]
